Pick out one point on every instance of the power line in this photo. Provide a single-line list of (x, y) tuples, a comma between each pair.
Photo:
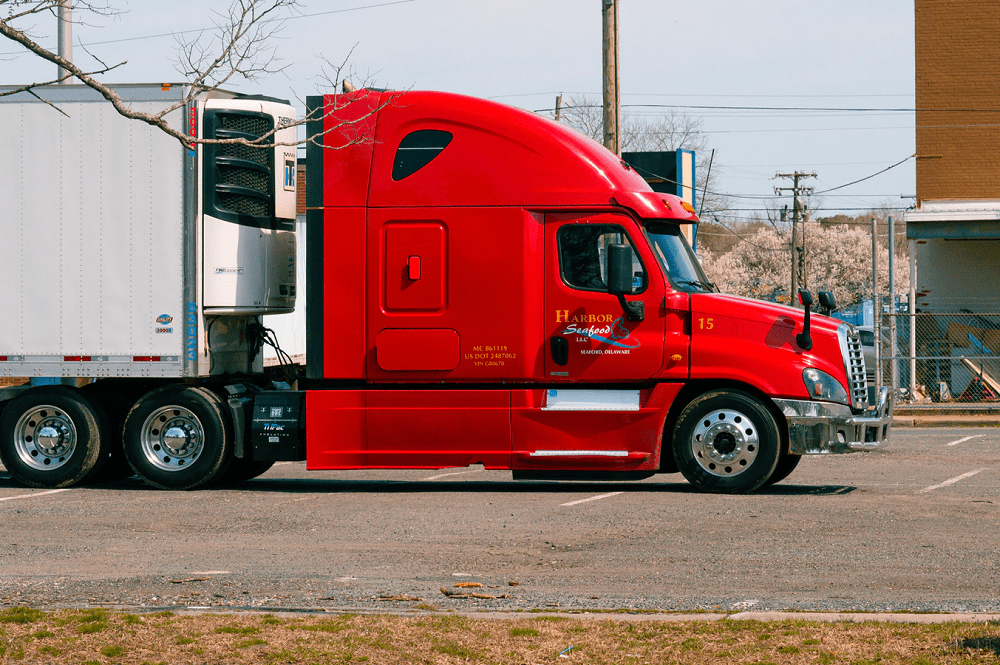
[(723, 225), (804, 129), (847, 196), (819, 209), (768, 197), (829, 109), (868, 177), (735, 166), (730, 96), (185, 32)]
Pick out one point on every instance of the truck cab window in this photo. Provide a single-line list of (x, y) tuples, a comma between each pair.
[(417, 150), (583, 256), (676, 257)]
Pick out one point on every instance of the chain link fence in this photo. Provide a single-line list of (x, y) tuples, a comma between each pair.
[(951, 357)]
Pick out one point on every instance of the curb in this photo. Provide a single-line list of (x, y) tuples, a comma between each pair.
[(630, 617), (763, 616), (946, 421)]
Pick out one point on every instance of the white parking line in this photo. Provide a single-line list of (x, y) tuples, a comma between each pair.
[(955, 443), (453, 473), (950, 481), (593, 498), (28, 496)]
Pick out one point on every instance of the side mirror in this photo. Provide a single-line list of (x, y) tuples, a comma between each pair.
[(827, 303), (620, 280), (619, 269), (804, 338)]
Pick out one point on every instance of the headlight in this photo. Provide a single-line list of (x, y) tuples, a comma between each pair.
[(821, 385)]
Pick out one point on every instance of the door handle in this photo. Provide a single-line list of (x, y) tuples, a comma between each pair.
[(413, 268), (560, 350)]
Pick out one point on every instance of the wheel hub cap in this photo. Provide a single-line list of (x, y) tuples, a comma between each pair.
[(172, 438), (725, 442), (45, 438), (176, 440)]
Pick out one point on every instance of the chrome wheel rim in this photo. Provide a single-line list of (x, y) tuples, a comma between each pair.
[(725, 442), (172, 438), (45, 438)]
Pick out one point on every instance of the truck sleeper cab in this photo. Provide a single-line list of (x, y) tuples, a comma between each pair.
[(477, 325)]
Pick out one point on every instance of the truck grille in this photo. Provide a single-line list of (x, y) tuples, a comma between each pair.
[(854, 363), (239, 179)]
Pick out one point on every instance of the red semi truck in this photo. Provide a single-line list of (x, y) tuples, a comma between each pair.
[(485, 286)]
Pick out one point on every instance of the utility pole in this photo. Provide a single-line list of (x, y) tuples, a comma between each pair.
[(876, 306), (559, 107), (798, 251), (803, 259), (65, 18), (612, 99), (893, 365)]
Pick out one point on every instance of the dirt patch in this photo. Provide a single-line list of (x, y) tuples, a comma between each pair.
[(98, 636)]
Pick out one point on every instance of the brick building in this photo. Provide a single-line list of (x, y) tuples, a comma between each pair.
[(956, 225)]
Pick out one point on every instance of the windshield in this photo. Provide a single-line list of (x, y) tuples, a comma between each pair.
[(675, 256)]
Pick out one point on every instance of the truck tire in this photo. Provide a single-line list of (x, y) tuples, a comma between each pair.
[(178, 437), (786, 465), (727, 442), (240, 471), (51, 436)]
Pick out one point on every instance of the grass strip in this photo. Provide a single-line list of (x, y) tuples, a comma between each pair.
[(28, 635)]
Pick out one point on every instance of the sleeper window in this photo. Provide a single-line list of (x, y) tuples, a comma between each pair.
[(417, 150)]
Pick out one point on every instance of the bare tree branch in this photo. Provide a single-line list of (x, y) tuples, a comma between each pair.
[(238, 47)]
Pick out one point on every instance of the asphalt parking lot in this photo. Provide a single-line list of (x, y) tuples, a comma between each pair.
[(911, 528)]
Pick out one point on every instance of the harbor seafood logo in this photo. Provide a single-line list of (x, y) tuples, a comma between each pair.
[(602, 328), (164, 318)]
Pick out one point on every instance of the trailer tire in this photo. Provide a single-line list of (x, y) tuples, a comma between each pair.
[(786, 465), (727, 442), (178, 437), (51, 436)]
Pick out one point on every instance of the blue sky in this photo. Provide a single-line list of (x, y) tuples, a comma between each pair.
[(742, 59)]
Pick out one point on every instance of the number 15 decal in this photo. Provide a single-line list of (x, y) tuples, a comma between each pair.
[(705, 324)]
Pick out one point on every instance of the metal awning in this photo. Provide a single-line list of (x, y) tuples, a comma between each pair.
[(955, 220)]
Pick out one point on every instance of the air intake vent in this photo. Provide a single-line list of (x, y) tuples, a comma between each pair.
[(243, 205), (239, 179), (252, 124)]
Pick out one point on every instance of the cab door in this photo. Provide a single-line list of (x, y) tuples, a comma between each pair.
[(589, 338)]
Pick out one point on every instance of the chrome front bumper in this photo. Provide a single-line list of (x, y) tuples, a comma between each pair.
[(820, 428)]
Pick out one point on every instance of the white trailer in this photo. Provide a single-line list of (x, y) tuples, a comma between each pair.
[(131, 258)]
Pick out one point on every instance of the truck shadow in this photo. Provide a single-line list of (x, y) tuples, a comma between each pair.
[(391, 486)]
